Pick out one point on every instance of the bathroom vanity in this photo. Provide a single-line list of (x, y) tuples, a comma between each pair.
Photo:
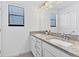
[(43, 45)]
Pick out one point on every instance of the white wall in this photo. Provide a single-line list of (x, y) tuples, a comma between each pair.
[(15, 39), (77, 19), (0, 25), (44, 20), (68, 17), (68, 20), (34, 22)]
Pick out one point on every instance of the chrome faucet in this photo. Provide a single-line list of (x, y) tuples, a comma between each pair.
[(47, 32)]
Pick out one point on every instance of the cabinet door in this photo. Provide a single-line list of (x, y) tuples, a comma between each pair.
[(46, 53), (33, 45), (55, 51), (38, 47), (38, 54)]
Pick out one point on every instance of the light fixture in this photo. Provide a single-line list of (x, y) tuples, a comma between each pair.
[(46, 5), (50, 4)]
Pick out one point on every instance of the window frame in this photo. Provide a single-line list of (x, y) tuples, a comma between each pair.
[(9, 15), (53, 20)]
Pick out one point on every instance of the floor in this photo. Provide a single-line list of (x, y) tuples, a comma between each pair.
[(29, 54)]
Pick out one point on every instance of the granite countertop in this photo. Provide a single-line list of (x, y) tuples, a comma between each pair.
[(73, 49)]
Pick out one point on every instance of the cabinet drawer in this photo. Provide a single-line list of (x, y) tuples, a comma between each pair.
[(38, 44), (33, 42), (38, 54), (55, 51), (38, 50), (47, 53), (34, 51)]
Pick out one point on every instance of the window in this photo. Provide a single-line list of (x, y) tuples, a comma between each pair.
[(53, 21), (16, 15)]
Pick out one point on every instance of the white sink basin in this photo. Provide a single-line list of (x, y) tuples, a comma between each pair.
[(60, 42)]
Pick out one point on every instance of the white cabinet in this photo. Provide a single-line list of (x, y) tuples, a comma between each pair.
[(40, 48), (33, 45), (36, 47), (53, 51), (46, 53)]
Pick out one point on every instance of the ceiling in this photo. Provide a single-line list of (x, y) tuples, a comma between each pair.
[(55, 4)]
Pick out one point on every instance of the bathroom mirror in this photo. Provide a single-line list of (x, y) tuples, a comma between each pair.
[(66, 19)]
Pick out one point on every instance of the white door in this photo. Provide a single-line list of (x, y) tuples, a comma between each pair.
[(0, 28)]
